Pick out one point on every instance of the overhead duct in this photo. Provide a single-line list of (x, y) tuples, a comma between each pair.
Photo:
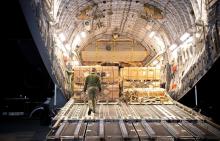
[(85, 13), (153, 11)]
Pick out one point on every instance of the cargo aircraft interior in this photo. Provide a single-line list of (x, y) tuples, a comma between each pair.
[(148, 54)]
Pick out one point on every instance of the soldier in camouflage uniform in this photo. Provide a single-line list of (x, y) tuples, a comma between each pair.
[(92, 85)]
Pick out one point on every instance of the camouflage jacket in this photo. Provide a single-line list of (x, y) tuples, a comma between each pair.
[(92, 80)]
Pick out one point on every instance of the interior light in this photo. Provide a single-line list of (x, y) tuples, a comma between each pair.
[(65, 53), (189, 40), (68, 47), (76, 41), (186, 43), (174, 54), (62, 37), (155, 62), (152, 34), (160, 43), (184, 36), (83, 34), (76, 63), (158, 66), (198, 35), (173, 46)]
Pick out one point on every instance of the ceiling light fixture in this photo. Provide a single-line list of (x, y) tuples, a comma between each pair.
[(76, 41), (173, 46), (189, 40), (62, 37), (184, 36), (83, 34), (68, 47), (152, 34), (155, 62)]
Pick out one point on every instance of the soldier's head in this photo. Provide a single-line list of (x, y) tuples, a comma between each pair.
[(93, 69)]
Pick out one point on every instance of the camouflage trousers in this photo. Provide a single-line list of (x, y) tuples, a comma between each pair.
[(92, 93)]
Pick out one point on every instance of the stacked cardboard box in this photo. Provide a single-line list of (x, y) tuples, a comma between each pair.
[(140, 73), (141, 84), (109, 76)]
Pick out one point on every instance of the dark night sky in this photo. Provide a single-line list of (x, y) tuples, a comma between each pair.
[(24, 70), (208, 94)]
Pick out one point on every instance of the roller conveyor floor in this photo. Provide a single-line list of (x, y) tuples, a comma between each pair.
[(131, 122)]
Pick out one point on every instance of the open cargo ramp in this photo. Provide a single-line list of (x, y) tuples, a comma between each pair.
[(136, 122)]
